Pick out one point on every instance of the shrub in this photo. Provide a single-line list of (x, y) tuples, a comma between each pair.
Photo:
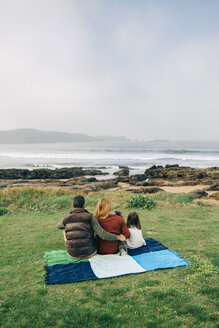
[(3, 210), (140, 201)]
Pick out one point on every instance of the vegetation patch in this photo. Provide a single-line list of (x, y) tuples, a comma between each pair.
[(174, 198), (202, 266), (140, 201), (3, 210)]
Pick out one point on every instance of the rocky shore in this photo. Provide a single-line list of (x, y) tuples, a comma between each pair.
[(64, 173), (154, 179)]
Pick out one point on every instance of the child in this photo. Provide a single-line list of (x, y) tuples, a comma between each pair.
[(133, 223)]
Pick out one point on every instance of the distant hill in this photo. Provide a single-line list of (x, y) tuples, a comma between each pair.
[(32, 136)]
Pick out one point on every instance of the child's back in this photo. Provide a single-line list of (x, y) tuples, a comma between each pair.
[(136, 239)]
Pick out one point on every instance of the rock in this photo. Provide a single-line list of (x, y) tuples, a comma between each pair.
[(141, 183), (144, 190), (106, 184), (168, 166), (214, 187), (80, 183), (137, 178), (215, 195), (123, 172), (155, 172), (153, 190), (198, 193), (154, 167), (213, 173), (91, 180), (122, 179), (2, 186), (63, 173), (155, 182), (93, 172), (177, 173), (109, 184)]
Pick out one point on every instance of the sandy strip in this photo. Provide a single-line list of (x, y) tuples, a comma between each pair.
[(183, 189)]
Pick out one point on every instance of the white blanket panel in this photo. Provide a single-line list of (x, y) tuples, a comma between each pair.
[(106, 266)]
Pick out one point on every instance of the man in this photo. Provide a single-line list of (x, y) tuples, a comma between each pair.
[(79, 228)]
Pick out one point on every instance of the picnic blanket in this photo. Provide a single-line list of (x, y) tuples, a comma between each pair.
[(60, 268)]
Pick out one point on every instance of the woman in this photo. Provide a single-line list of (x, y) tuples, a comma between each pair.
[(110, 222)]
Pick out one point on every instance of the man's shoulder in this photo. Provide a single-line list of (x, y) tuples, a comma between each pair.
[(78, 215), (79, 210)]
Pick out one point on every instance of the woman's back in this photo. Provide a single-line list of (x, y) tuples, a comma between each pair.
[(114, 224)]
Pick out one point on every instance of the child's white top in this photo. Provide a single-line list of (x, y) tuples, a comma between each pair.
[(136, 239)]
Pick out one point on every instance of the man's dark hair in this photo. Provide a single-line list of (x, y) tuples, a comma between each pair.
[(79, 201)]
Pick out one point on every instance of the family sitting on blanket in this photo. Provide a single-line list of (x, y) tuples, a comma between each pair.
[(85, 234)]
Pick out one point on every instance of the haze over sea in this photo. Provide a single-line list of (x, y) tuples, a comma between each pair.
[(110, 155)]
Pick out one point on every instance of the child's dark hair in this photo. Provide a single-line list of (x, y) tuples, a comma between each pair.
[(118, 213), (133, 220), (78, 201)]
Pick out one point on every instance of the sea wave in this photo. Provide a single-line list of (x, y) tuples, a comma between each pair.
[(162, 151), (194, 154), (106, 157)]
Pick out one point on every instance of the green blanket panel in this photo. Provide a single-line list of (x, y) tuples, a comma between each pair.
[(59, 257)]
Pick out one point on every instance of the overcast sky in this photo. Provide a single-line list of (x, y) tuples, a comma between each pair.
[(142, 69)]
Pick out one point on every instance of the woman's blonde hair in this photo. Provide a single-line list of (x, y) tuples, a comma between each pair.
[(103, 208)]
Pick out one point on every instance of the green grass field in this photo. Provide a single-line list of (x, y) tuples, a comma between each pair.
[(179, 297)]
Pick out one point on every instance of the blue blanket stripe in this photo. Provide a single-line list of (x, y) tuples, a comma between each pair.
[(159, 260), (63, 273), (151, 246), (186, 262)]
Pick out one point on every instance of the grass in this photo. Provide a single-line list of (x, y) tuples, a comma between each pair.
[(174, 198), (180, 297)]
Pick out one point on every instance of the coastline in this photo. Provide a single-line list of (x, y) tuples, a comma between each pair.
[(201, 183)]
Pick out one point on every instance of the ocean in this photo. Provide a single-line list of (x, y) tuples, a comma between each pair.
[(109, 156)]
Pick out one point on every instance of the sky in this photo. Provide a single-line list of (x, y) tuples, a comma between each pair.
[(136, 68)]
